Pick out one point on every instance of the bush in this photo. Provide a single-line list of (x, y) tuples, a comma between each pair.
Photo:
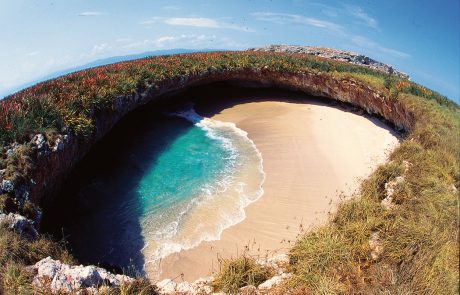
[(15, 280), (240, 272)]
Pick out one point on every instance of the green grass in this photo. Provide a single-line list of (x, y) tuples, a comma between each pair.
[(419, 236)]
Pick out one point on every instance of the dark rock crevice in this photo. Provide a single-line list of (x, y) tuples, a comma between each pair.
[(52, 168)]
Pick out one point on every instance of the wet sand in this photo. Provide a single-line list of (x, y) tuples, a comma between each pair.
[(313, 154)]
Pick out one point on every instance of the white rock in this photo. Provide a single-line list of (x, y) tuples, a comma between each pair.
[(69, 278), (58, 145), (375, 245), (185, 288), (167, 286), (7, 186), (21, 225), (390, 187), (279, 259), (205, 289), (248, 290), (39, 141), (268, 284)]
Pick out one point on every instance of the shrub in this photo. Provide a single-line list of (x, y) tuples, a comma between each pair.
[(239, 272)]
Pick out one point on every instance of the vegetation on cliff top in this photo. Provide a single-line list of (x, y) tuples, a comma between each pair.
[(419, 235)]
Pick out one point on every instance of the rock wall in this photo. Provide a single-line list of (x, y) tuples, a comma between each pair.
[(54, 160)]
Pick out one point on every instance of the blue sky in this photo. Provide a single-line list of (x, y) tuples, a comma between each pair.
[(418, 37)]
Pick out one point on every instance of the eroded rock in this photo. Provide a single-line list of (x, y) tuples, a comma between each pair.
[(276, 261), (39, 141), (58, 145), (200, 286), (274, 281), (376, 246), (390, 187), (61, 277), (335, 54), (167, 286), (7, 186), (19, 224)]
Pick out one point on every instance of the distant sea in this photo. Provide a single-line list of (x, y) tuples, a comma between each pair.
[(97, 63)]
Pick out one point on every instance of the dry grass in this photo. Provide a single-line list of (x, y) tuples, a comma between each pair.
[(419, 236), (15, 280), (240, 272), (140, 286)]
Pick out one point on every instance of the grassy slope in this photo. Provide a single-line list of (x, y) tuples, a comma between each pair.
[(419, 236)]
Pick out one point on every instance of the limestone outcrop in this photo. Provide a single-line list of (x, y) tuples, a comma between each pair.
[(55, 157), (19, 224), (335, 54), (203, 285), (56, 276), (53, 164)]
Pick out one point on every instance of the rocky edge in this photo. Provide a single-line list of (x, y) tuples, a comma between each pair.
[(335, 54)]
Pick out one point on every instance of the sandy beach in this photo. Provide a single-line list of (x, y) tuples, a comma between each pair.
[(312, 155)]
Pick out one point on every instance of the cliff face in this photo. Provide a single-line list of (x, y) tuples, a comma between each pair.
[(55, 162)]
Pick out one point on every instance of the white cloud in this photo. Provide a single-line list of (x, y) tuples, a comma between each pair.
[(190, 41), (163, 40), (33, 53), (284, 18), (361, 15), (150, 21), (122, 40), (90, 13), (193, 22), (201, 22), (100, 48), (27, 70), (369, 44), (171, 7)]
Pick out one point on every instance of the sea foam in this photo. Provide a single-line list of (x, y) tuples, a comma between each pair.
[(218, 205)]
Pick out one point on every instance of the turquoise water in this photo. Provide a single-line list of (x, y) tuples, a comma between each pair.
[(191, 161), (155, 187)]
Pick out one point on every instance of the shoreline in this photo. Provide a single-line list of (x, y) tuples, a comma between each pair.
[(221, 203), (304, 148)]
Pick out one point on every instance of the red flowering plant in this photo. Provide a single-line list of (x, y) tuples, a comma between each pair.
[(72, 100), (9, 111)]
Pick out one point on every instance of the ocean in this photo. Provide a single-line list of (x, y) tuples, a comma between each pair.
[(167, 186)]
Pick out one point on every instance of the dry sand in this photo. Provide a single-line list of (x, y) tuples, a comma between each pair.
[(312, 153)]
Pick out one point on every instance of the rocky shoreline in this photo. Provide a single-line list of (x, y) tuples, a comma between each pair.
[(335, 54), (55, 276), (56, 156)]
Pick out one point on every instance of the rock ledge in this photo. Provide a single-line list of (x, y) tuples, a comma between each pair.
[(335, 54)]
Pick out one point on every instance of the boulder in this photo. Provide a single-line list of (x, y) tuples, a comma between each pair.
[(19, 224), (167, 286), (58, 145), (390, 187), (39, 141), (185, 288), (376, 246), (7, 186), (335, 54), (274, 281), (62, 277)]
